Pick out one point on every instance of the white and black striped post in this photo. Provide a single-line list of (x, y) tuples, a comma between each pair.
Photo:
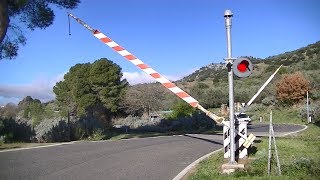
[(241, 133)]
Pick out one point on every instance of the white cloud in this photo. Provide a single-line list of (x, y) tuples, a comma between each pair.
[(137, 77), (39, 89), (141, 77), (42, 87)]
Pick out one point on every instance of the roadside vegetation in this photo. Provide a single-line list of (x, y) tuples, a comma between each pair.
[(299, 158)]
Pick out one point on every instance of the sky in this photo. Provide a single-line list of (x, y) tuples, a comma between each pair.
[(174, 37)]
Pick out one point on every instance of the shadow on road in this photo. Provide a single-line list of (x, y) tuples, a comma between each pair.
[(203, 139)]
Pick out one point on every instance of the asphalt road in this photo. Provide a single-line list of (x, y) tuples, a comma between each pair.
[(279, 129), (146, 158)]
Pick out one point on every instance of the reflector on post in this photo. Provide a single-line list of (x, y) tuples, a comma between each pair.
[(242, 67)]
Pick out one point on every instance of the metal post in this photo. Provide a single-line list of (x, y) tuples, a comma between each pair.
[(276, 151), (228, 21), (308, 107), (69, 128), (270, 146)]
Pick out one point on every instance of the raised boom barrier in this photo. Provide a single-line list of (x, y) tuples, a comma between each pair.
[(150, 71)]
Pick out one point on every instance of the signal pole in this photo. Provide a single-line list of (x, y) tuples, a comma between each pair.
[(228, 21)]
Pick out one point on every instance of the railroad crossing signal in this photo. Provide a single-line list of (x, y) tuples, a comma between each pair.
[(242, 67)]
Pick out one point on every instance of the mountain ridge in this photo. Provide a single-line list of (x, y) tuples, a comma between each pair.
[(286, 59)]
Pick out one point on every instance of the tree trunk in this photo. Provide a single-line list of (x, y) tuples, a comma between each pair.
[(4, 19)]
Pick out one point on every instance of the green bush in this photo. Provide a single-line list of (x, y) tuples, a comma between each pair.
[(181, 109), (1, 140), (53, 131), (269, 101), (271, 68), (8, 138), (1, 125), (78, 132), (300, 168), (256, 107), (314, 110), (315, 95), (202, 85), (97, 135), (34, 111), (16, 130)]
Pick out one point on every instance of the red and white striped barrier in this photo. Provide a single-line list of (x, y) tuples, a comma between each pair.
[(147, 69)]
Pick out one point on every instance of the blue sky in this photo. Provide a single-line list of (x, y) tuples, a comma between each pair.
[(175, 37)]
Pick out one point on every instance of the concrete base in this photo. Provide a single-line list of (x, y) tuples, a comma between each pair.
[(230, 168)]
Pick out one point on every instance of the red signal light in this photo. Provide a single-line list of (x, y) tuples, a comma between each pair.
[(242, 67)]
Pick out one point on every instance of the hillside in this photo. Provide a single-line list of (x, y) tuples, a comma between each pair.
[(303, 59), (211, 80)]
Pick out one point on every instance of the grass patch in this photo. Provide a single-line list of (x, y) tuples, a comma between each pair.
[(112, 135), (21, 145), (299, 158), (209, 168), (139, 135), (279, 116)]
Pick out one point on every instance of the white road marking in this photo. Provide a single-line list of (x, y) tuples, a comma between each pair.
[(35, 147)]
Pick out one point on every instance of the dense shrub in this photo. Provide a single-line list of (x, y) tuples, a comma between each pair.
[(135, 121), (301, 167), (60, 130), (151, 128), (269, 101), (9, 111), (197, 121), (48, 130), (58, 133), (16, 130), (181, 109), (2, 140), (1, 124), (256, 107), (315, 95), (97, 135), (292, 88), (314, 111)]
